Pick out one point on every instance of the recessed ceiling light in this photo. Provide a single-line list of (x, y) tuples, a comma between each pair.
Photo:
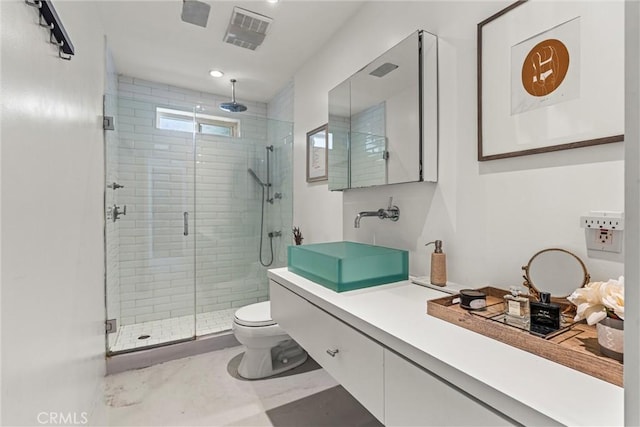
[(272, 1), (216, 73)]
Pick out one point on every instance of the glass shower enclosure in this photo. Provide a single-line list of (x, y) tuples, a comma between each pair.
[(198, 205)]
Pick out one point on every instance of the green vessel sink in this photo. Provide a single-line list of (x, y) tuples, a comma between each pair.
[(344, 266)]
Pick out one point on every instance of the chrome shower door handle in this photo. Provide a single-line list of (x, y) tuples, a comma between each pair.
[(186, 223)]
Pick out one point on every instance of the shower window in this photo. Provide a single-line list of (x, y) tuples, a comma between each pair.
[(217, 129), (187, 121)]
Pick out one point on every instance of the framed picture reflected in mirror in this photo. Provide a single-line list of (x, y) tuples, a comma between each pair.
[(317, 154)]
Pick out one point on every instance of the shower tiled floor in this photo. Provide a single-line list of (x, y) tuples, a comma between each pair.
[(161, 331)]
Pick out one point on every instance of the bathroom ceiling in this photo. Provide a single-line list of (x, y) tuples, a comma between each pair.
[(150, 41)]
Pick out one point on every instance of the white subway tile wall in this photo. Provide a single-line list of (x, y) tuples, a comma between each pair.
[(165, 176), (281, 106), (368, 144), (280, 212), (339, 151)]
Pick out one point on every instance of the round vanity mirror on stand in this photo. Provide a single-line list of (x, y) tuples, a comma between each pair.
[(556, 271)]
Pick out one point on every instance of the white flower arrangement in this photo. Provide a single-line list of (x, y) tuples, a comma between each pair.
[(598, 300)]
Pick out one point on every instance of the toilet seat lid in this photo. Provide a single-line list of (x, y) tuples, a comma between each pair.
[(258, 314)]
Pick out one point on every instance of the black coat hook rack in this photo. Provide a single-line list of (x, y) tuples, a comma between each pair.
[(58, 35)]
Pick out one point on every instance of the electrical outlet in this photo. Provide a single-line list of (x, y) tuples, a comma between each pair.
[(605, 240), (602, 222), (604, 237), (603, 219), (603, 230)]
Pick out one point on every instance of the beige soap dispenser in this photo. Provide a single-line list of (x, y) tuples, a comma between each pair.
[(438, 274)]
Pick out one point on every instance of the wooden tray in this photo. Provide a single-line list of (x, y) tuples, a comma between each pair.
[(575, 347)]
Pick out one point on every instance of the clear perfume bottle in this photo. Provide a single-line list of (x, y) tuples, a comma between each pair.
[(516, 307)]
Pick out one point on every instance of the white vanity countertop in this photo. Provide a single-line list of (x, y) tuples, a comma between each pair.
[(396, 316)]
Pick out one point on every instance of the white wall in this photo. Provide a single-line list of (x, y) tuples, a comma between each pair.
[(316, 211), (492, 216), (632, 205), (52, 220)]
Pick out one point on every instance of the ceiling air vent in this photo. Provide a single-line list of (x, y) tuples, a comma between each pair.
[(195, 12), (247, 29)]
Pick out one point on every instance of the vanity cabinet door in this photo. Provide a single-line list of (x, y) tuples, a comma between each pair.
[(415, 397), (354, 360)]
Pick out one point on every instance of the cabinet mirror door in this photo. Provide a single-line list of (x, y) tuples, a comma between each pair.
[(382, 117)]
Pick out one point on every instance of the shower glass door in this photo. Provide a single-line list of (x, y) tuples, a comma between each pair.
[(150, 247), (209, 205), (243, 212)]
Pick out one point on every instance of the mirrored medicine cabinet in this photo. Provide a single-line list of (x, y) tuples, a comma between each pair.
[(383, 119)]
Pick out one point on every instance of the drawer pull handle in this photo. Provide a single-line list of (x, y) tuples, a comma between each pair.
[(333, 353)]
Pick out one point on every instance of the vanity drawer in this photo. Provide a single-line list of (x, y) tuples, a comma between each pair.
[(416, 397), (353, 359)]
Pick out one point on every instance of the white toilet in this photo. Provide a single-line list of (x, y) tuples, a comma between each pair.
[(270, 350)]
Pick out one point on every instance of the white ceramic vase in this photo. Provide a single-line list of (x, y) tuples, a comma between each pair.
[(611, 338)]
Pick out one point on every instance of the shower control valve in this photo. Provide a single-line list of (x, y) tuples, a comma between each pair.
[(275, 196)]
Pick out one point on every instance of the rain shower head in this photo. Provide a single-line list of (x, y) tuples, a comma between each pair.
[(253, 174), (195, 12), (233, 106)]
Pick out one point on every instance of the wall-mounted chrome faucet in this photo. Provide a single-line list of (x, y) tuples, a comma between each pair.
[(392, 212)]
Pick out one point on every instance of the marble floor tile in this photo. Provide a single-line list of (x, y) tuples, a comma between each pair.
[(206, 390)]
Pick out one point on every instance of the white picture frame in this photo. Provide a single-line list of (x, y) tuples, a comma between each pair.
[(590, 109)]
